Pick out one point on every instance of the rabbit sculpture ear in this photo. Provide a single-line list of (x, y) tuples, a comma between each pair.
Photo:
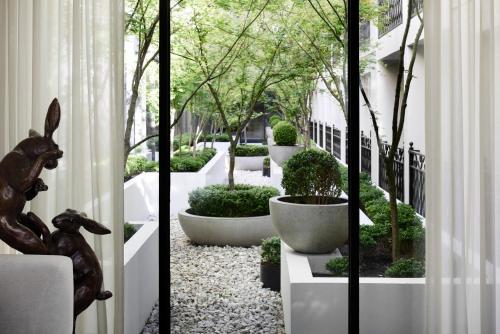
[(53, 118), (94, 227)]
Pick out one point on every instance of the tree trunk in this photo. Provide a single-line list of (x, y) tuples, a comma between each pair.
[(131, 114), (394, 208), (230, 174)]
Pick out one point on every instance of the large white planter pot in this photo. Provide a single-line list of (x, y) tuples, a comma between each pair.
[(310, 228), (181, 184), (249, 163), (280, 154), (222, 231), (319, 304)]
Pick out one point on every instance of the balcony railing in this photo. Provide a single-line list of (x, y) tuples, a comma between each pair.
[(336, 143), (392, 17), (398, 171), (328, 139), (366, 154), (417, 180)]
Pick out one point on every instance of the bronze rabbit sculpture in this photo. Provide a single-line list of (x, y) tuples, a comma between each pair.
[(19, 182), (87, 273)]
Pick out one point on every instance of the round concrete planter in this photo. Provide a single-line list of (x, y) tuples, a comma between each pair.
[(249, 163), (310, 228), (280, 154), (222, 231)]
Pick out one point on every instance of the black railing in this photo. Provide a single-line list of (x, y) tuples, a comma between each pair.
[(417, 180), (321, 135), (336, 143), (418, 6), (364, 32), (328, 139), (398, 171), (315, 132), (392, 15), (366, 154), (311, 129), (346, 145)]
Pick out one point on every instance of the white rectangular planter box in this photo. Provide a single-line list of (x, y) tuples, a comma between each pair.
[(181, 184), (249, 163), (319, 304), (141, 265), (141, 197)]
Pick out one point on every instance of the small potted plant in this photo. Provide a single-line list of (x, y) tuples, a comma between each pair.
[(270, 263), (285, 142), (266, 168), (312, 218)]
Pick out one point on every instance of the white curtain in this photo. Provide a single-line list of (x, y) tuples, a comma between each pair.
[(72, 50), (463, 166)]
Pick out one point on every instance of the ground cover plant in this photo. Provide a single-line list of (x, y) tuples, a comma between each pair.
[(219, 201), (251, 151), (187, 162), (375, 240)]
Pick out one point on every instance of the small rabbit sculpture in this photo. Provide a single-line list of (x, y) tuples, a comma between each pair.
[(87, 273), (19, 182)]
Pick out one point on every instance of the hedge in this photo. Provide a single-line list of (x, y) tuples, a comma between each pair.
[(243, 201), (251, 151)]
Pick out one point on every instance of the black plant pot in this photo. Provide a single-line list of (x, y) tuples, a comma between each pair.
[(270, 276), (266, 171)]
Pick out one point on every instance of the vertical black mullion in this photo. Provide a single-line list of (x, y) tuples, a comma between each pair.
[(353, 170)]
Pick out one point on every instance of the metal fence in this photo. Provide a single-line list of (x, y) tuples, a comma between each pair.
[(321, 135), (311, 130), (336, 143), (366, 154), (398, 171), (418, 6), (328, 139), (417, 180), (346, 146), (393, 15)]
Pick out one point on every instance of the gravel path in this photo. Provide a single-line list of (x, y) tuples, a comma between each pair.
[(217, 290)]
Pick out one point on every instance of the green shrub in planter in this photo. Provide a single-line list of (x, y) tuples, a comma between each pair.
[(185, 162), (128, 231), (251, 151), (267, 162), (284, 134), (271, 250), (186, 137), (138, 164), (406, 268), (273, 120), (338, 266), (243, 201), (224, 137), (313, 175)]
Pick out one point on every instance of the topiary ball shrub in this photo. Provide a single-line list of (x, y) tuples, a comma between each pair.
[(314, 176), (244, 201), (273, 120), (406, 268), (285, 134), (271, 250), (339, 266), (251, 151)]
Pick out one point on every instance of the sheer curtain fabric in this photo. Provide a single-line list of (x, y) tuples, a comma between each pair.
[(463, 166), (72, 50)]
